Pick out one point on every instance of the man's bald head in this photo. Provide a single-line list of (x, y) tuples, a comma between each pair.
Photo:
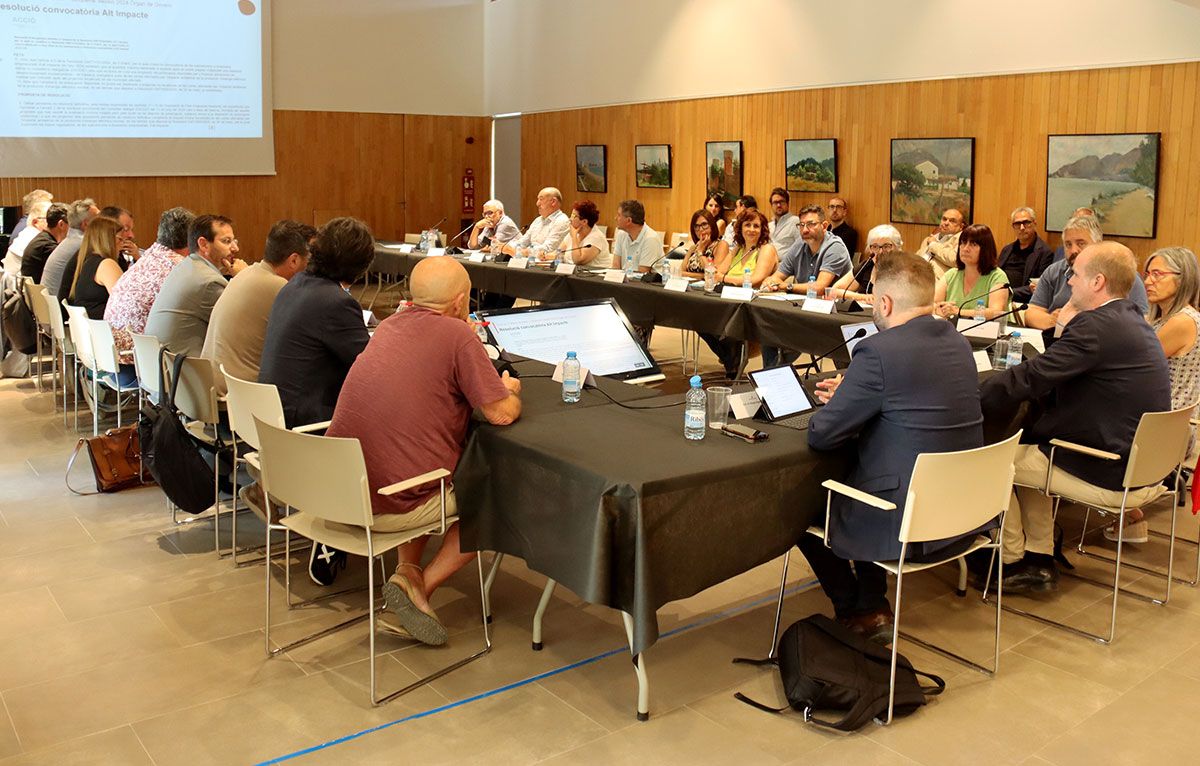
[(441, 284), (1114, 261)]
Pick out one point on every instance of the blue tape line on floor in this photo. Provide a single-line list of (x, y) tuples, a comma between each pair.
[(533, 679)]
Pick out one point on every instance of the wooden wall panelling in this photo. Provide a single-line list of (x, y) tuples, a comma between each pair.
[(1010, 118), (325, 162)]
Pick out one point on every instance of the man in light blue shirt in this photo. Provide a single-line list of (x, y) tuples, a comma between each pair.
[(785, 227), (817, 254)]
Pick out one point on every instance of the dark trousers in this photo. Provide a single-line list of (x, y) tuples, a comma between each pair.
[(777, 357), (493, 300), (728, 351), (862, 588)]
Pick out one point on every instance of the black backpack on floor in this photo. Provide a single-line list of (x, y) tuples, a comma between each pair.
[(172, 455), (825, 666)]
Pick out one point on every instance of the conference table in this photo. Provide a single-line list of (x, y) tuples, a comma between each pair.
[(633, 528), (769, 321)]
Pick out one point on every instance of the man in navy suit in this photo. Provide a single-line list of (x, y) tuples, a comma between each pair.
[(911, 388), (1092, 387)]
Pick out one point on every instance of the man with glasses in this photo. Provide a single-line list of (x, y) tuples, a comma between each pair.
[(180, 314), (1049, 307), (495, 226), (941, 247), (1025, 258), (838, 210), (784, 226), (859, 285)]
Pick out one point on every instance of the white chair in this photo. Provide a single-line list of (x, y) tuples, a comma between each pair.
[(603, 230), (104, 353), (247, 401), (196, 399), (39, 304), (81, 338), (147, 361), (323, 481), (66, 348), (1159, 447), (677, 239), (950, 494)]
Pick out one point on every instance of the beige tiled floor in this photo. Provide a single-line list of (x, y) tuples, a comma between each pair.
[(124, 640)]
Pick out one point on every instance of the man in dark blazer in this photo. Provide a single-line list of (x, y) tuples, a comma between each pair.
[(1025, 258), (911, 388), (1091, 387)]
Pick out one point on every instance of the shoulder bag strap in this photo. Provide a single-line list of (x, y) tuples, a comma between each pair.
[(70, 464)]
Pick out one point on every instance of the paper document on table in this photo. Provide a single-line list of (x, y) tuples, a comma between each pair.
[(983, 361)]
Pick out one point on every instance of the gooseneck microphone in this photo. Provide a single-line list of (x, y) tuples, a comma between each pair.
[(653, 277), (814, 364), (1017, 307), (456, 250), (989, 292)]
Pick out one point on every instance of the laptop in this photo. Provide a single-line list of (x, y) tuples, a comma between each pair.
[(785, 400)]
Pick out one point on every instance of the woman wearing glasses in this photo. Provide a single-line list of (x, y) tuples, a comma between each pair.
[(858, 285), (705, 243)]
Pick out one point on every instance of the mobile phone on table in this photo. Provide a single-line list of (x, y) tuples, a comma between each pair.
[(745, 433)]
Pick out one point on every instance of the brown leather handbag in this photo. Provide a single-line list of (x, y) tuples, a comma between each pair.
[(116, 457)]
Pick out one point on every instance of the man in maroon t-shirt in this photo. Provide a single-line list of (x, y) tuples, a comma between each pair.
[(408, 399)]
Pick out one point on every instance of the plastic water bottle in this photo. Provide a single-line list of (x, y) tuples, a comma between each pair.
[(480, 328), (1001, 326), (1000, 353), (1015, 349), (746, 283), (629, 269), (979, 309), (694, 410), (570, 378), (423, 244), (811, 294), (710, 275), (664, 268)]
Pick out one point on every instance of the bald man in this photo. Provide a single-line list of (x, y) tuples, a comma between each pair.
[(547, 230), (408, 400), (1094, 384), (941, 247)]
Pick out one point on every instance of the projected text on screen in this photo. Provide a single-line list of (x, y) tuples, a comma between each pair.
[(130, 69)]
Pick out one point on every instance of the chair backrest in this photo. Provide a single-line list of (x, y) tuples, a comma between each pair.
[(603, 229), (1159, 446), (57, 327), (677, 239), (81, 335), (412, 239), (146, 350), (39, 302), (195, 392), (322, 475), (248, 402), (104, 348), (952, 493)]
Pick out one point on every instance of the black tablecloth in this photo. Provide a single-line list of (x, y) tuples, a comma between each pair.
[(619, 507)]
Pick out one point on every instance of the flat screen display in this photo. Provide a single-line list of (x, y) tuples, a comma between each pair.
[(781, 392)]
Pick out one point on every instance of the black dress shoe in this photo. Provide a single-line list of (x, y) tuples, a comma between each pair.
[(876, 626), (1031, 577)]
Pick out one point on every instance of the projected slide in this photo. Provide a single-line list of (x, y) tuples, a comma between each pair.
[(131, 69)]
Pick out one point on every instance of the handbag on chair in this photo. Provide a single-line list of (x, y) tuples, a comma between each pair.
[(19, 323), (116, 460)]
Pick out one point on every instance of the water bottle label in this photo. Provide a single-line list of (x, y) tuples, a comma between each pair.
[(693, 419)]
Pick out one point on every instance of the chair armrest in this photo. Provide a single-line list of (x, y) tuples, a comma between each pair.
[(1089, 451), (312, 427), (859, 495), (416, 481)]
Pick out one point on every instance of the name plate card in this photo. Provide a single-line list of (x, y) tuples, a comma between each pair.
[(437, 251), (476, 258), (744, 294), (565, 268), (983, 362), (406, 249), (585, 375), (614, 275), (974, 329), (744, 405), (677, 284), (818, 306), (518, 263)]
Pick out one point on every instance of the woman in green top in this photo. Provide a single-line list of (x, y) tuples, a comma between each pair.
[(753, 252), (977, 276)]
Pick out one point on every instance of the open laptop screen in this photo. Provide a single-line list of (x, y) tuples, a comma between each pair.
[(597, 331), (781, 392)]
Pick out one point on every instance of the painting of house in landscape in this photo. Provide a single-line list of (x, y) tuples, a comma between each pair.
[(930, 175), (1116, 175), (591, 168), (724, 170), (652, 166), (811, 165)]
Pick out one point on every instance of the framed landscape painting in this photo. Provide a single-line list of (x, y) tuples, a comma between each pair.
[(930, 175), (723, 170), (652, 166), (591, 168), (1114, 174), (811, 164)]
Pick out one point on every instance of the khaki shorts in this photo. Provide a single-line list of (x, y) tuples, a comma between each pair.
[(429, 512)]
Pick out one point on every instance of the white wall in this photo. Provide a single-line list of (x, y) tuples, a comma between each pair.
[(543, 55), (392, 56)]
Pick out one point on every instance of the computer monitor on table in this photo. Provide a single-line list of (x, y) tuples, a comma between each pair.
[(596, 330)]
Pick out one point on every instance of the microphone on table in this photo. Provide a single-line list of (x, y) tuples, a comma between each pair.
[(503, 257), (813, 365), (458, 250), (1017, 307), (848, 305), (652, 277)]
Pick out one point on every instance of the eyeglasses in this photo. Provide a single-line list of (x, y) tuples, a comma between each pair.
[(228, 241), (1157, 274), (882, 247), (832, 205), (810, 224), (1022, 224)]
